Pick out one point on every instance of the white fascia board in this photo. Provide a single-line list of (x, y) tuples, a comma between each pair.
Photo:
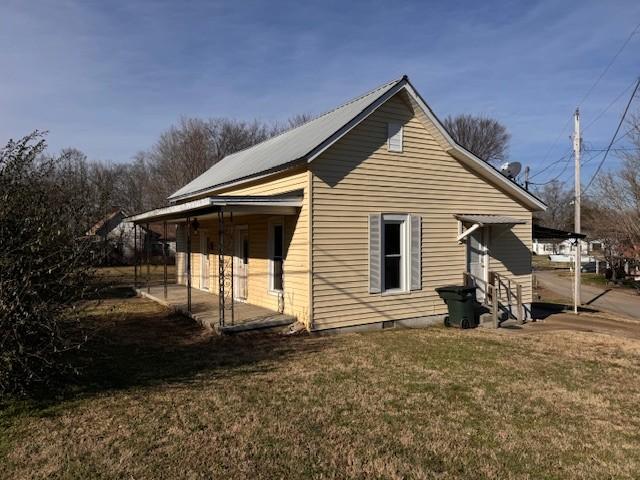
[(171, 210), (313, 154), (475, 163)]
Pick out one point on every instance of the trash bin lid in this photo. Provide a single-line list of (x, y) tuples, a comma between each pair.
[(459, 289)]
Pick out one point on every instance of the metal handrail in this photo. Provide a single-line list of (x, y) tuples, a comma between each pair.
[(494, 293)]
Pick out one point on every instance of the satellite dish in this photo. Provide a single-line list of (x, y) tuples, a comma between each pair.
[(511, 169)]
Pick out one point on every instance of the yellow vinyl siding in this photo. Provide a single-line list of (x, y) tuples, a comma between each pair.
[(358, 176), (296, 263)]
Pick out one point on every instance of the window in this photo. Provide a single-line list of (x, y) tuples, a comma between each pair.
[(394, 253), (394, 137), (276, 256)]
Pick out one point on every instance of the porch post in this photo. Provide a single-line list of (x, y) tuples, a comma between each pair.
[(521, 318), (496, 302), (135, 256), (147, 239), (165, 244), (233, 246), (221, 267), (189, 264)]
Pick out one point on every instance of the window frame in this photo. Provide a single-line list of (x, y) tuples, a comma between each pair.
[(273, 223), (405, 248)]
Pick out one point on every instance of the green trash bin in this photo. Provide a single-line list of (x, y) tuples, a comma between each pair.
[(461, 303)]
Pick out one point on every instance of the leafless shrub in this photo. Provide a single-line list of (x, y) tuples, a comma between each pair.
[(43, 263)]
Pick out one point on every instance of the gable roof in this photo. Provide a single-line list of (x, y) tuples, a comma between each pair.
[(304, 143), (282, 149), (104, 222)]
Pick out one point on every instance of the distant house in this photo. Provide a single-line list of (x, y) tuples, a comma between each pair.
[(566, 247), (113, 239), (350, 220)]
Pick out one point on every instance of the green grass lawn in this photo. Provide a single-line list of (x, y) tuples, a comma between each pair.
[(125, 274), (542, 262), (160, 398)]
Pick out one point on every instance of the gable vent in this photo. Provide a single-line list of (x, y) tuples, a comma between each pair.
[(394, 137)]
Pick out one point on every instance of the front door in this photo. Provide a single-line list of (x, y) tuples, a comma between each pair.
[(241, 263), (477, 261), (204, 261)]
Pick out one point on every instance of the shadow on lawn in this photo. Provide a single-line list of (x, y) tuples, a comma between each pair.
[(134, 342), (542, 310)]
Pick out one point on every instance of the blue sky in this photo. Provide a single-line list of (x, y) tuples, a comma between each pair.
[(109, 77)]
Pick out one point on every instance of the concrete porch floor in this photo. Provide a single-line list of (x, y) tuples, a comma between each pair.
[(204, 310)]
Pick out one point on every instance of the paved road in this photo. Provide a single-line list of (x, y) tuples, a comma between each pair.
[(605, 299)]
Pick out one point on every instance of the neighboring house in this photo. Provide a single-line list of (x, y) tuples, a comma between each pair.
[(113, 238), (353, 218), (566, 247)]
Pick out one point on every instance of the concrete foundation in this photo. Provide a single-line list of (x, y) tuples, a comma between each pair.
[(416, 322)]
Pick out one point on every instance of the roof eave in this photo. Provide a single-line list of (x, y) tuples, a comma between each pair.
[(473, 161), (241, 181)]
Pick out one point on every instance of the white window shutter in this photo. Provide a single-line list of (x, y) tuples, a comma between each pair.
[(416, 252), (394, 137), (375, 254)]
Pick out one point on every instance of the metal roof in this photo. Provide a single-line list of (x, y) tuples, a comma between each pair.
[(546, 233), (207, 205), (283, 149), (489, 219), (304, 143)]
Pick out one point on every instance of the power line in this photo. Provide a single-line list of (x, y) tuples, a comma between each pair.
[(566, 157), (620, 95), (586, 95), (604, 72), (566, 165), (621, 149), (595, 155), (624, 114)]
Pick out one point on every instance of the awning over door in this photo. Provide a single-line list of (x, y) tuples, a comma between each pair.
[(482, 220)]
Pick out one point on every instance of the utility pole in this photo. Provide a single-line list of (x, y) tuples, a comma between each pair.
[(526, 177), (577, 141)]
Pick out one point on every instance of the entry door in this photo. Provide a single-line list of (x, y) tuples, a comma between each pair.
[(241, 263), (204, 261), (477, 261)]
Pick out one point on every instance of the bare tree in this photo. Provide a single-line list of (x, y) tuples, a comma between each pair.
[(485, 137), (615, 205), (559, 213), (190, 148), (299, 119)]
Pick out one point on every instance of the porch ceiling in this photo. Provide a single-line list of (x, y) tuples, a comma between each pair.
[(210, 206)]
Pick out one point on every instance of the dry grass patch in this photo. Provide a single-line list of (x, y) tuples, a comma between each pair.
[(161, 398)]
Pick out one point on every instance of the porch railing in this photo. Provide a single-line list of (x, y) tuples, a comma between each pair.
[(500, 292)]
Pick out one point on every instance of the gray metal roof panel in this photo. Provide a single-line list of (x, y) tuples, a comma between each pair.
[(489, 219), (282, 149)]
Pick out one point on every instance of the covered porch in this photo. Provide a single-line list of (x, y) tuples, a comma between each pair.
[(204, 309), (221, 260)]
